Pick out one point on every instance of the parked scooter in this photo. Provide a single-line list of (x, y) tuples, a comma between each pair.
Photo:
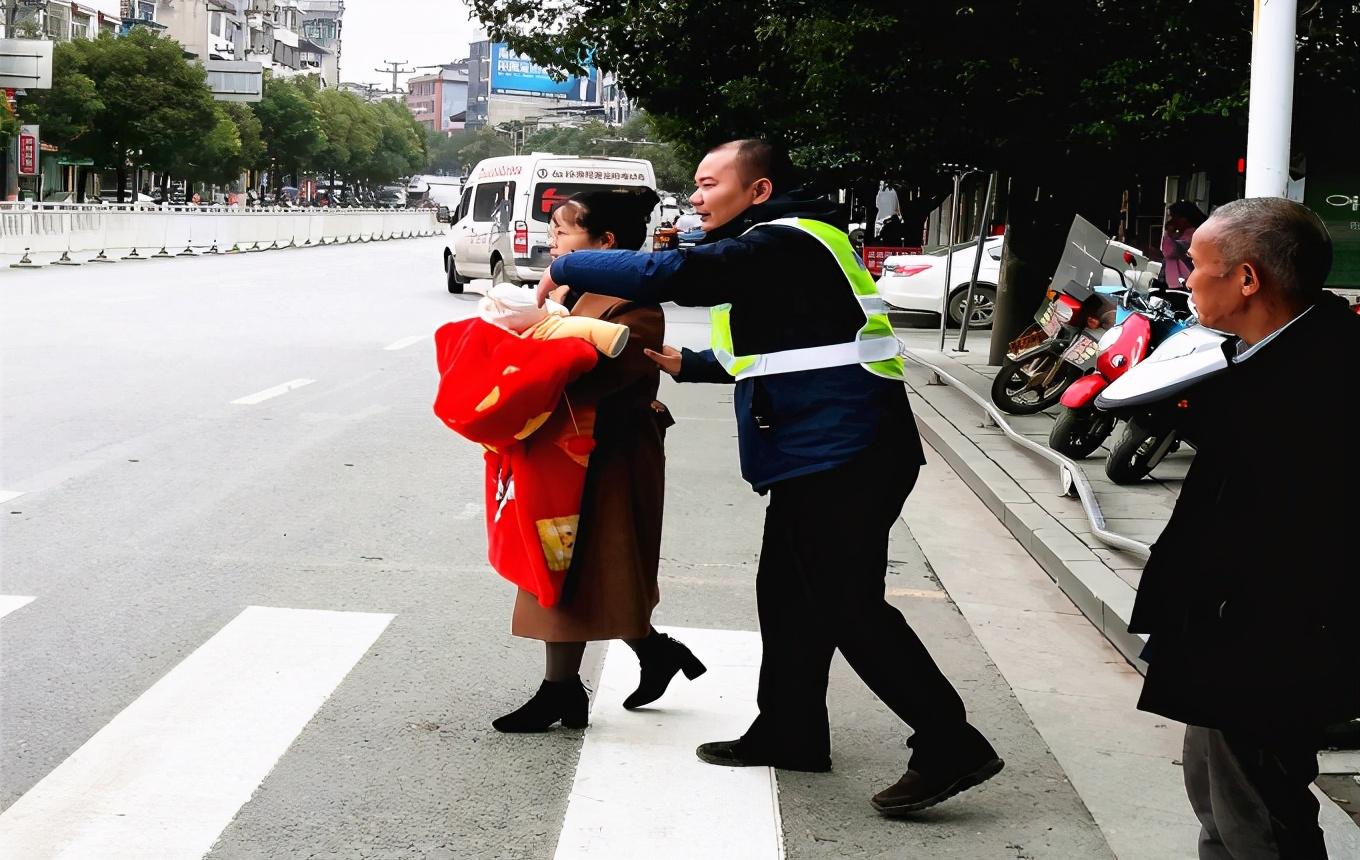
[(1155, 399), (1061, 345), (1141, 324)]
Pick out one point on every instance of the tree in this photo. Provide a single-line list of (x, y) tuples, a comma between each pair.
[(352, 133), (1072, 100), (116, 100), (216, 156), (251, 134), (470, 147), (290, 125), (400, 149), (442, 153)]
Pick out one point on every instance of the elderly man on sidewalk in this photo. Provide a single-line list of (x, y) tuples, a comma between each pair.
[(1252, 593)]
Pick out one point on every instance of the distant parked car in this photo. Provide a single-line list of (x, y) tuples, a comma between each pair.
[(392, 197), (915, 282)]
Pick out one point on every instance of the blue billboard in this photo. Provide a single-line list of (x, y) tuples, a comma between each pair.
[(517, 75)]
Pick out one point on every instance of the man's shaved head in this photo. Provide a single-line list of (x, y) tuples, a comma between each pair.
[(759, 159)]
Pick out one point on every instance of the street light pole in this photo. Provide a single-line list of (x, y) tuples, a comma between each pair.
[(1270, 108)]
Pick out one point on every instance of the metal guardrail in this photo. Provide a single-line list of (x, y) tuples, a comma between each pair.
[(66, 233), (1069, 472)]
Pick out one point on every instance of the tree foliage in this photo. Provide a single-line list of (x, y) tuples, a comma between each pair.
[(351, 130), (463, 149), (124, 101), (290, 124), (870, 89)]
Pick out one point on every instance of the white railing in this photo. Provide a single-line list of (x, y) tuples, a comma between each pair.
[(37, 234)]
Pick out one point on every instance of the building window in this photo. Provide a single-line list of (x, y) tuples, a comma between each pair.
[(319, 29), (58, 21), (80, 27)]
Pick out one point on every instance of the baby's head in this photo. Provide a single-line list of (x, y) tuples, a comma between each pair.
[(602, 219)]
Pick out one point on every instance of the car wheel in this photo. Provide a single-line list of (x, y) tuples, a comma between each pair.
[(455, 281), (984, 306), (498, 275)]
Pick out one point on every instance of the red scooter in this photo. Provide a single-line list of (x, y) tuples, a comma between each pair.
[(1143, 322)]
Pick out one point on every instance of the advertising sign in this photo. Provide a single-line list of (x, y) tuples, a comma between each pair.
[(874, 255), (28, 150), (515, 74), (26, 64)]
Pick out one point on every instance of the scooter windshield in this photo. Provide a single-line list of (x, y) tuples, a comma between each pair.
[(1079, 270)]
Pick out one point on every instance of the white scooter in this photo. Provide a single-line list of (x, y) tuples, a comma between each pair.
[(1151, 398)]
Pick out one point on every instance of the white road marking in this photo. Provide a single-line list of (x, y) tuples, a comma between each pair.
[(11, 602), (6, 495), (469, 512), (407, 341), (261, 396), (166, 776), (639, 789), (125, 299)]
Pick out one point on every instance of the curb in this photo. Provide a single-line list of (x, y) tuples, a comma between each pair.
[(1104, 598)]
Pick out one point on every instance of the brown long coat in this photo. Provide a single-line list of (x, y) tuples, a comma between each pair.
[(611, 588)]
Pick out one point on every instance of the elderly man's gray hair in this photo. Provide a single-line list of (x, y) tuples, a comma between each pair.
[(1284, 239)]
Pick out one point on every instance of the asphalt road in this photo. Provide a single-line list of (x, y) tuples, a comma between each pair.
[(182, 440)]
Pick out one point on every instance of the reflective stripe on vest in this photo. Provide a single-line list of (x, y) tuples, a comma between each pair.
[(875, 346)]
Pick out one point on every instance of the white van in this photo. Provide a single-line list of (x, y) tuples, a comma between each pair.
[(500, 229)]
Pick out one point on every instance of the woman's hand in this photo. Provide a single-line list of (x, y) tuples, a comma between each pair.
[(668, 359)]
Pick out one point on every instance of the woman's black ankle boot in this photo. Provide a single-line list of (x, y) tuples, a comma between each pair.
[(566, 701), (661, 657)]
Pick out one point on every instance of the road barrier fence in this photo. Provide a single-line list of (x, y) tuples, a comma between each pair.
[(38, 234)]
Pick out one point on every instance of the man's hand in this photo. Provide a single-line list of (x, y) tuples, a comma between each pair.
[(545, 285), (668, 359)]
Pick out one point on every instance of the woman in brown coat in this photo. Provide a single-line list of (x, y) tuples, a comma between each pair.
[(611, 587)]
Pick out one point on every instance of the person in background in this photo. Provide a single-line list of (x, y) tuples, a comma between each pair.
[(894, 232), (1250, 596), (1181, 220), (612, 582)]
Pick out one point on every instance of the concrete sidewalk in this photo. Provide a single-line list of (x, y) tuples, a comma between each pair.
[(1025, 492)]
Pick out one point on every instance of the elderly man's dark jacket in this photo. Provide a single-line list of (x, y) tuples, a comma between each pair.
[(1252, 593)]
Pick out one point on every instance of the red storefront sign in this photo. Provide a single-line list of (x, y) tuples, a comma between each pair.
[(28, 150), (874, 255)]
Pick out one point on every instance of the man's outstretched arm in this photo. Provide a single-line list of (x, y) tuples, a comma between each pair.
[(637, 276), (702, 276)]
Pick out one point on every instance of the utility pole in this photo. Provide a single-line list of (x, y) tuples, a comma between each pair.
[(394, 71), (1270, 107)]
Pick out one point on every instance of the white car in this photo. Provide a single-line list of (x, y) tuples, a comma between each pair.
[(915, 282)]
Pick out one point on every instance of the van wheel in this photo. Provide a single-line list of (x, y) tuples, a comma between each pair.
[(456, 281), (498, 275)]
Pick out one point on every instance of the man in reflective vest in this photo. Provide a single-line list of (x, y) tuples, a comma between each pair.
[(824, 427)]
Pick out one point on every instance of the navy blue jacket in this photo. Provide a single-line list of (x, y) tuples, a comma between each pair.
[(787, 292)]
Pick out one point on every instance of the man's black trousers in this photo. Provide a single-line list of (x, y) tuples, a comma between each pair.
[(819, 587)]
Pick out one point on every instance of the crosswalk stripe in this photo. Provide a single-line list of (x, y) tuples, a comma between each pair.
[(639, 789), (166, 776), (11, 602)]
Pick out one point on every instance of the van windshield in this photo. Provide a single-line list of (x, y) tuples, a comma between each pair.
[(549, 195)]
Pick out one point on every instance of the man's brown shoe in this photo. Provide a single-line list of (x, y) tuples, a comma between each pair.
[(916, 791)]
